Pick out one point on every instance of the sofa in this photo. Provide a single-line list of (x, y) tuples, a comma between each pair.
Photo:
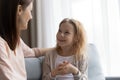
[(34, 66)]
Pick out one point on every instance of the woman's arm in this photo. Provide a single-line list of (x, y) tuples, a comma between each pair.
[(6, 72), (41, 51), (33, 52)]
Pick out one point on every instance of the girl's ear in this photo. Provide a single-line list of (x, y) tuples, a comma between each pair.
[(19, 9)]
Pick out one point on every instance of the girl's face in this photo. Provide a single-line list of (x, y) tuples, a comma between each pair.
[(65, 35), (23, 16)]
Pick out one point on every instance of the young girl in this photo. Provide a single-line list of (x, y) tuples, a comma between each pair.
[(67, 61)]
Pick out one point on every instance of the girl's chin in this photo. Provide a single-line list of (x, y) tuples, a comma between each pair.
[(61, 45)]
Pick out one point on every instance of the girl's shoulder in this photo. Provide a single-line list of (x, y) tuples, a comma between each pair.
[(51, 51)]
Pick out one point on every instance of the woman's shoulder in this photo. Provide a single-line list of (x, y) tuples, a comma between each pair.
[(4, 48), (3, 42)]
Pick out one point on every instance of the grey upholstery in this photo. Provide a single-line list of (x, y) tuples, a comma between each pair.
[(113, 78), (33, 66)]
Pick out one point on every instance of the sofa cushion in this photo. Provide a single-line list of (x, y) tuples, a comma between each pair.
[(33, 68)]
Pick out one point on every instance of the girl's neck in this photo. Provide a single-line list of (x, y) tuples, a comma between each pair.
[(66, 52)]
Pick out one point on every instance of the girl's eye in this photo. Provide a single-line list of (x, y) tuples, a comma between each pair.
[(66, 32)]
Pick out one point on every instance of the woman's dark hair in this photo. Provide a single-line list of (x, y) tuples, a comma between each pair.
[(8, 29)]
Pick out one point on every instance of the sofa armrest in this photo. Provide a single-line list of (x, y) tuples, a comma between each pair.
[(112, 78)]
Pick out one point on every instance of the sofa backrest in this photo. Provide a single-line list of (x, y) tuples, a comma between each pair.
[(34, 68), (94, 66)]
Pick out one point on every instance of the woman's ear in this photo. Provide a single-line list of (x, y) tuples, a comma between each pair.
[(19, 10)]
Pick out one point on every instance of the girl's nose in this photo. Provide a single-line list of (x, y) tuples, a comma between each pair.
[(62, 34)]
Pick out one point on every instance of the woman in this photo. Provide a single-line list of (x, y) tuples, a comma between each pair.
[(14, 17)]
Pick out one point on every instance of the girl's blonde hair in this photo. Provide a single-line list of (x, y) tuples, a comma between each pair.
[(79, 44)]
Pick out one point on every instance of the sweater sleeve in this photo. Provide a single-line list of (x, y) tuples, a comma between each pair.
[(33, 52), (47, 67), (82, 66), (28, 52)]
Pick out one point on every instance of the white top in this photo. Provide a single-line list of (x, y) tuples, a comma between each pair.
[(59, 60)]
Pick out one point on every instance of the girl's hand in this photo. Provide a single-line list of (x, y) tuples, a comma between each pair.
[(58, 70), (64, 68), (67, 68)]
